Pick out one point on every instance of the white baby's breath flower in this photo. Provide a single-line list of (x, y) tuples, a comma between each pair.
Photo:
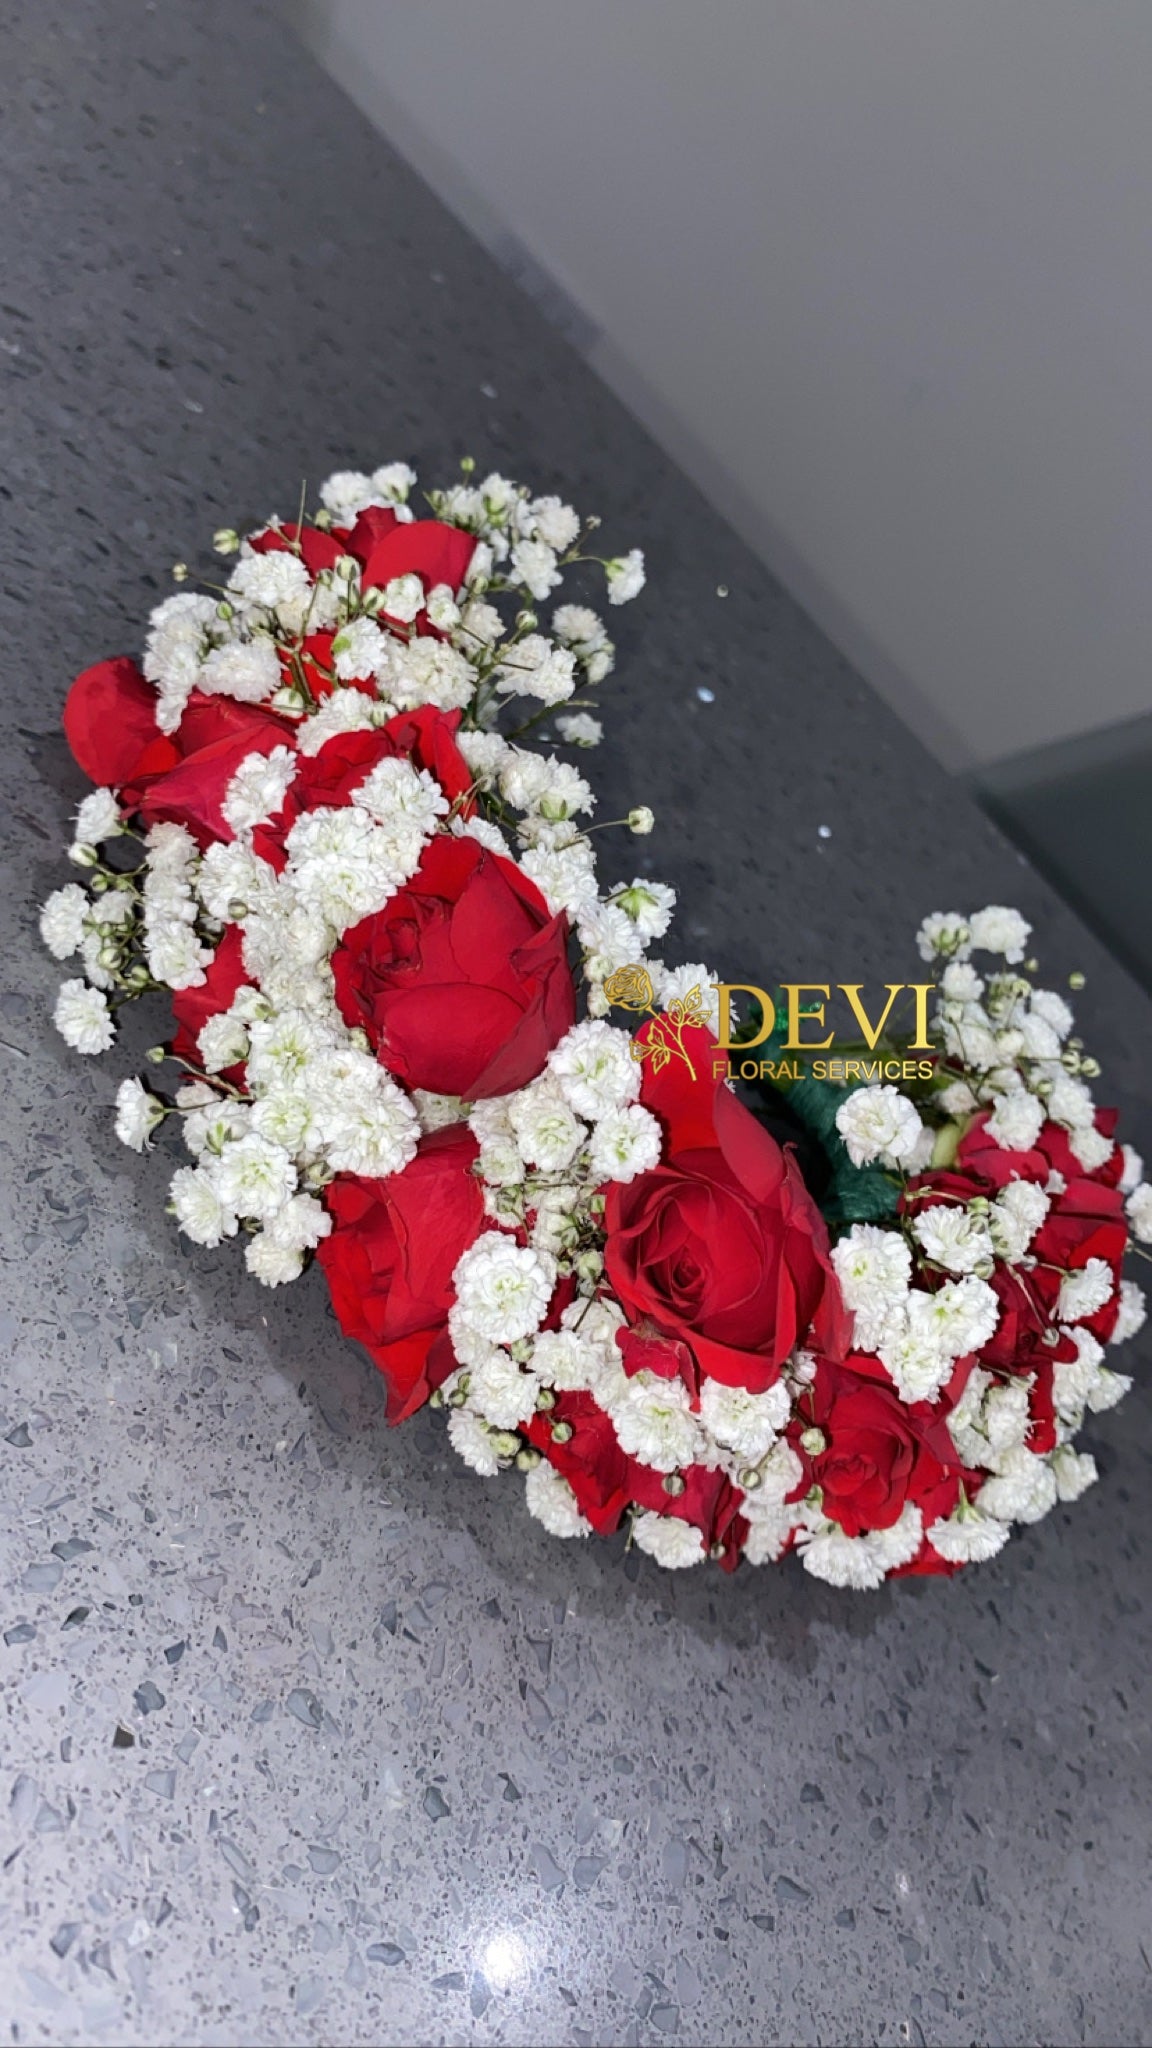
[(1039, 1041), (62, 920), (968, 1536), (672, 1542), (625, 576), (345, 867), (1074, 1471), (395, 793), (248, 670), (961, 983), (648, 904), (594, 1068), (744, 1423), (609, 939), (1139, 1211), (501, 1392), (1052, 1007), (840, 1560), (258, 788), (953, 1238), (403, 597), (770, 1526), (1131, 1316), (1070, 1101), (580, 729), (502, 1288), (547, 1131), (1074, 1378), (198, 1208), (625, 1143), (1091, 1147), (579, 627), (98, 818), (178, 630), (360, 651), (347, 494), (272, 1263), (481, 622), (1022, 1490), (874, 1268), (442, 608), (944, 936), (175, 955), (878, 1123), (1016, 1121), (392, 482), (254, 1177), (365, 1123), (534, 667), (436, 1112), (471, 1439), (1107, 1389), (653, 1422), (564, 1359), (678, 983), (957, 1099), (137, 1114), (276, 581), (1133, 1169), (223, 1042), (1084, 1291), (551, 1500), (343, 711), (533, 563), (565, 876), (999, 930), (82, 1018), (554, 522), (1015, 1217)]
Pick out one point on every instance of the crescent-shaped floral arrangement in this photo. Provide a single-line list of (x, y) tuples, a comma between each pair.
[(862, 1323)]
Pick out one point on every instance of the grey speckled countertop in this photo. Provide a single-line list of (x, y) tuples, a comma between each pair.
[(394, 1766)]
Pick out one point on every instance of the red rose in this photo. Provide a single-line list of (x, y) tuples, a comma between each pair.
[(880, 1453), (109, 720), (423, 547), (214, 736), (391, 1257), (721, 1246), (462, 980)]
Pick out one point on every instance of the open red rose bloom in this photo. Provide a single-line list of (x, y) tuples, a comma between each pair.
[(392, 971)]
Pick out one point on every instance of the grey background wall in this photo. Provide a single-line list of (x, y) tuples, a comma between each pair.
[(878, 274)]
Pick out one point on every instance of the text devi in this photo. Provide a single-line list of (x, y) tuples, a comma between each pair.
[(805, 1014)]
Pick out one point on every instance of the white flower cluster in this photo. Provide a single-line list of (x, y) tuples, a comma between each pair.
[(1009, 1042)]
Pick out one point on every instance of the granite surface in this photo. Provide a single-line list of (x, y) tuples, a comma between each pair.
[(308, 1735)]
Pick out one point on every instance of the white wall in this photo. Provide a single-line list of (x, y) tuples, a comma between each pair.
[(878, 272)]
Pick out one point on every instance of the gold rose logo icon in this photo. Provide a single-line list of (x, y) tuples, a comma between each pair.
[(630, 988)]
